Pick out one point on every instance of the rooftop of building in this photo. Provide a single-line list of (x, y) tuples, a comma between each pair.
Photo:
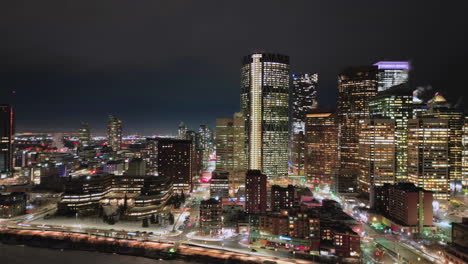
[(405, 186)]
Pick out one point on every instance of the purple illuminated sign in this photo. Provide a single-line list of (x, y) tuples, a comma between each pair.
[(392, 65)]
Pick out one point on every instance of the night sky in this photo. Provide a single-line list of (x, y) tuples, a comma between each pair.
[(156, 63)]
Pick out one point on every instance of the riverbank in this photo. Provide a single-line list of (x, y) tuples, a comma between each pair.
[(148, 249)]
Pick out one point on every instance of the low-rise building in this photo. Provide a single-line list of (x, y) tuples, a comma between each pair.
[(211, 223), (12, 204), (282, 197), (219, 185), (406, 206), (457, 251), (83, 193)]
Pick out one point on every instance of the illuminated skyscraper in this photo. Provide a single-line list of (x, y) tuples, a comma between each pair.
[(321, 145), (182, 131), (428, 155), (7, 130), (377, 153), (264, 103), (84, 135), (230, 149), (356, 87), (224, 144), (465, 155), (114, 132), (205, 143), (303, 99), (396, 103), (439, 108), (297, 154), (391, 73)]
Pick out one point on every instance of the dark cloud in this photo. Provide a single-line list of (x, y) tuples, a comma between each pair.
[(155, 63)]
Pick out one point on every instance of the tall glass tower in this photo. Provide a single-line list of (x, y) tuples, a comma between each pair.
[(7, 128), (114, 132), (392, 73), (264, 104), (396, 103), (356, 87), (304, 99)]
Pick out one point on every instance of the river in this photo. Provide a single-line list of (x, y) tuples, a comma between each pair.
[(17, 254)]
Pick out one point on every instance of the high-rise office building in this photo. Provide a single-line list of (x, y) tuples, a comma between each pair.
[(465, 155), (321, 141), (84, 135), (392, 73), (439, 108), (224, 144), (174, 162), (303, 99), (377, 153), (7, 130), (230, 149), (206, 142), (396, 103), (356, 87), (114, 132), (264, 104), (297, 154), (196, 155), (255, 192), (428, 155), (182, 131)]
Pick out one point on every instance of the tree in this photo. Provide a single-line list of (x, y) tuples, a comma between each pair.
[(145, 222)]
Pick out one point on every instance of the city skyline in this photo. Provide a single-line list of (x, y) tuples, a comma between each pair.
[(258, 132), (161, 83)]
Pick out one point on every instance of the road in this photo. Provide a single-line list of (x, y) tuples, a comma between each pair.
[(397, 248)]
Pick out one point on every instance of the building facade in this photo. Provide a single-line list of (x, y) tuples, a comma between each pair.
[(377, 153), (211, 212), (321, 146), (392, 73), (428, 155), (303, 99), (404, 203), (264, 104), (465, 154), (174, 162), (439, 108), (84, 135), (356, 87), (7, 130), (255, 192), (219, 185), (282, 197), (396, 103), (230, 150), (114, 133)]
